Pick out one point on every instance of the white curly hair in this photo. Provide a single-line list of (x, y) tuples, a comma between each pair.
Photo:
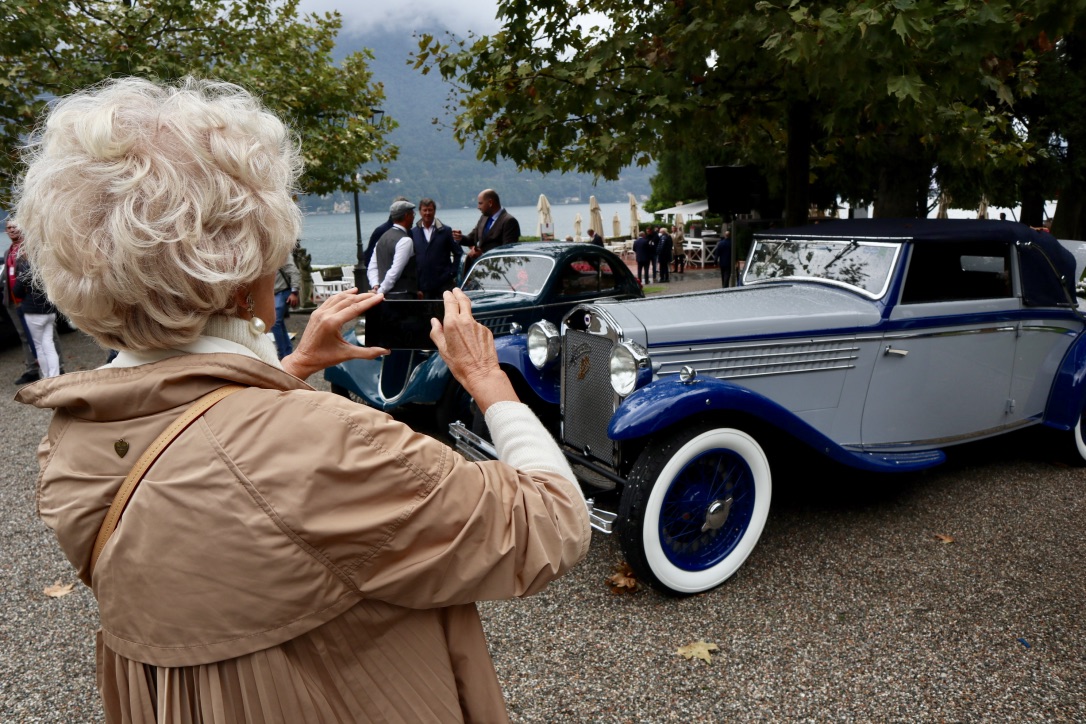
[(145, 207)]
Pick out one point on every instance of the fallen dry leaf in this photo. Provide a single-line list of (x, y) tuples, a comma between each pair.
[(698, 649), (58, 589), (944, 538), (624, 580)]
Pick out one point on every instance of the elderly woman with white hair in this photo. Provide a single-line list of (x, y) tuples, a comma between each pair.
[(260, 551)]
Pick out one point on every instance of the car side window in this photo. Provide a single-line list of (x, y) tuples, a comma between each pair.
[(956, 271), (524, 275), (586, 275)]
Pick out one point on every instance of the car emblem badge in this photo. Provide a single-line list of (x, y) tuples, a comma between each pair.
[(586, 364), (587, 320)]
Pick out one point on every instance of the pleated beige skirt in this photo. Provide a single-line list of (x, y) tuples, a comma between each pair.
[(374, 663)]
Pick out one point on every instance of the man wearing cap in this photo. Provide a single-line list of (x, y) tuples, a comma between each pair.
[(494, 228), (377, 233), (392, 269)]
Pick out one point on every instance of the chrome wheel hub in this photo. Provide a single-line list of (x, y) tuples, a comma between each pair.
[(716, 514)]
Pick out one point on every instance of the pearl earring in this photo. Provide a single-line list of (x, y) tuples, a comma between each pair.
[(256, 324)]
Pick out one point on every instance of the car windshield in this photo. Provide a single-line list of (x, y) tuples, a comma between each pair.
[(520, 274), (862, 265)]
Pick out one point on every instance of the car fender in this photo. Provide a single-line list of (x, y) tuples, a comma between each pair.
[(513, 353), (351, 376), (1068, 394), (427, 384), (668, 401)]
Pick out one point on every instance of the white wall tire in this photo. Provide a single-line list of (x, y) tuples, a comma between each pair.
[(694, 509), (1075, 448)]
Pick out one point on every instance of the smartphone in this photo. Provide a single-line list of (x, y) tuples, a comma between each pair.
[(402, 323)]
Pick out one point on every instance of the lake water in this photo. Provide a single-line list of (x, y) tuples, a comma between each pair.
[(331, 239)]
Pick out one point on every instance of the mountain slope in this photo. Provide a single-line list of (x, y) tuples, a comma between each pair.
[(432, 164)]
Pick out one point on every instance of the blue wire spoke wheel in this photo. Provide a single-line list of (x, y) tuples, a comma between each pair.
[(694, 509), (707, 509)]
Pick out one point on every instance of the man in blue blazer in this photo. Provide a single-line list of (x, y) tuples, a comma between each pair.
[(436, 252), (494, 228)]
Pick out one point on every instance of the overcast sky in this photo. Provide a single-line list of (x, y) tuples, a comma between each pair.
[(408, 15)]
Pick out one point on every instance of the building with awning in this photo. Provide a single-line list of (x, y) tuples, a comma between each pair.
[(694, 208)]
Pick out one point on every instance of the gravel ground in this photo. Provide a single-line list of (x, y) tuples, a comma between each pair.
[(850, 609)]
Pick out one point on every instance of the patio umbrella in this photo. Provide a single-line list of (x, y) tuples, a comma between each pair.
[(982, 210), (635, 220), (546, 221), (577, 227), (595, 216), (616, 226)]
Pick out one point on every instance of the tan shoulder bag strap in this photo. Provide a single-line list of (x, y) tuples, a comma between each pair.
[(120, 500)]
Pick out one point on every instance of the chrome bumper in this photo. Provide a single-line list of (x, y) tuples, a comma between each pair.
[(473, 447)]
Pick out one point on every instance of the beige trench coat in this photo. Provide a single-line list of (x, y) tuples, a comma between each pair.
[(293, 556)]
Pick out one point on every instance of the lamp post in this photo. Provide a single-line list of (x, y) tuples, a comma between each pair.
[(360, 280), (361, 283)]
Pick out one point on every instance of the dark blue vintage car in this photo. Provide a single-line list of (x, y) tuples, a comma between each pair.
[(510, 288), (876, 344)]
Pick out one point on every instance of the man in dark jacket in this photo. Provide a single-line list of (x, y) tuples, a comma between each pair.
[(40, 316), (723, 256), (494, 228), (594, 238), (32, 373), (654, 246), (436, 252), (663, 255), (643, 251)]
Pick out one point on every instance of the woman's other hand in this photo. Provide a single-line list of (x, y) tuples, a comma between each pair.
[(322, 345), (468, 349)]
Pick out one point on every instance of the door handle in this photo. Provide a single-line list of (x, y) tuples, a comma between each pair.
[(898, 352)]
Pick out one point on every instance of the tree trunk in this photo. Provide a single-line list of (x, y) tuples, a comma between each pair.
[(896, 196), (904, 185), (1070, 219), (1032, 182), (798, 170), (1033, 207)]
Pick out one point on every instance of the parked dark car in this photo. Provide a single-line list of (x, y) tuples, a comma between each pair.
[(510, 288), (874, 343)]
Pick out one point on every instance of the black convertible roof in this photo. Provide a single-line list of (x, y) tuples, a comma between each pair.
[(1048, 268)]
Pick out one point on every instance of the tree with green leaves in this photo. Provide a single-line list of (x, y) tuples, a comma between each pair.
[(872, 98), (53, 47), (1065, 96)]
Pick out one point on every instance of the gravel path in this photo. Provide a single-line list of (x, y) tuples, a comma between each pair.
[(850, 608)]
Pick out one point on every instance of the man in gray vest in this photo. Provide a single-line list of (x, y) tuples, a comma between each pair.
[(393, 270)]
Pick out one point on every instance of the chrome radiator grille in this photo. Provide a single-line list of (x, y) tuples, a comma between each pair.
[(588, 402)]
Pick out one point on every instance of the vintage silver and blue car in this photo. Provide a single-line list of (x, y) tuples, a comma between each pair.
[(510, 288), (875, 343)]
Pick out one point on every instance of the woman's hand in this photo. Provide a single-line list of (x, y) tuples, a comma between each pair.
[(468, 349), (322, 345)]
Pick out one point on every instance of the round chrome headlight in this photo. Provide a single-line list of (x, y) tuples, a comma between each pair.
[(544, 343), (627, 360)]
